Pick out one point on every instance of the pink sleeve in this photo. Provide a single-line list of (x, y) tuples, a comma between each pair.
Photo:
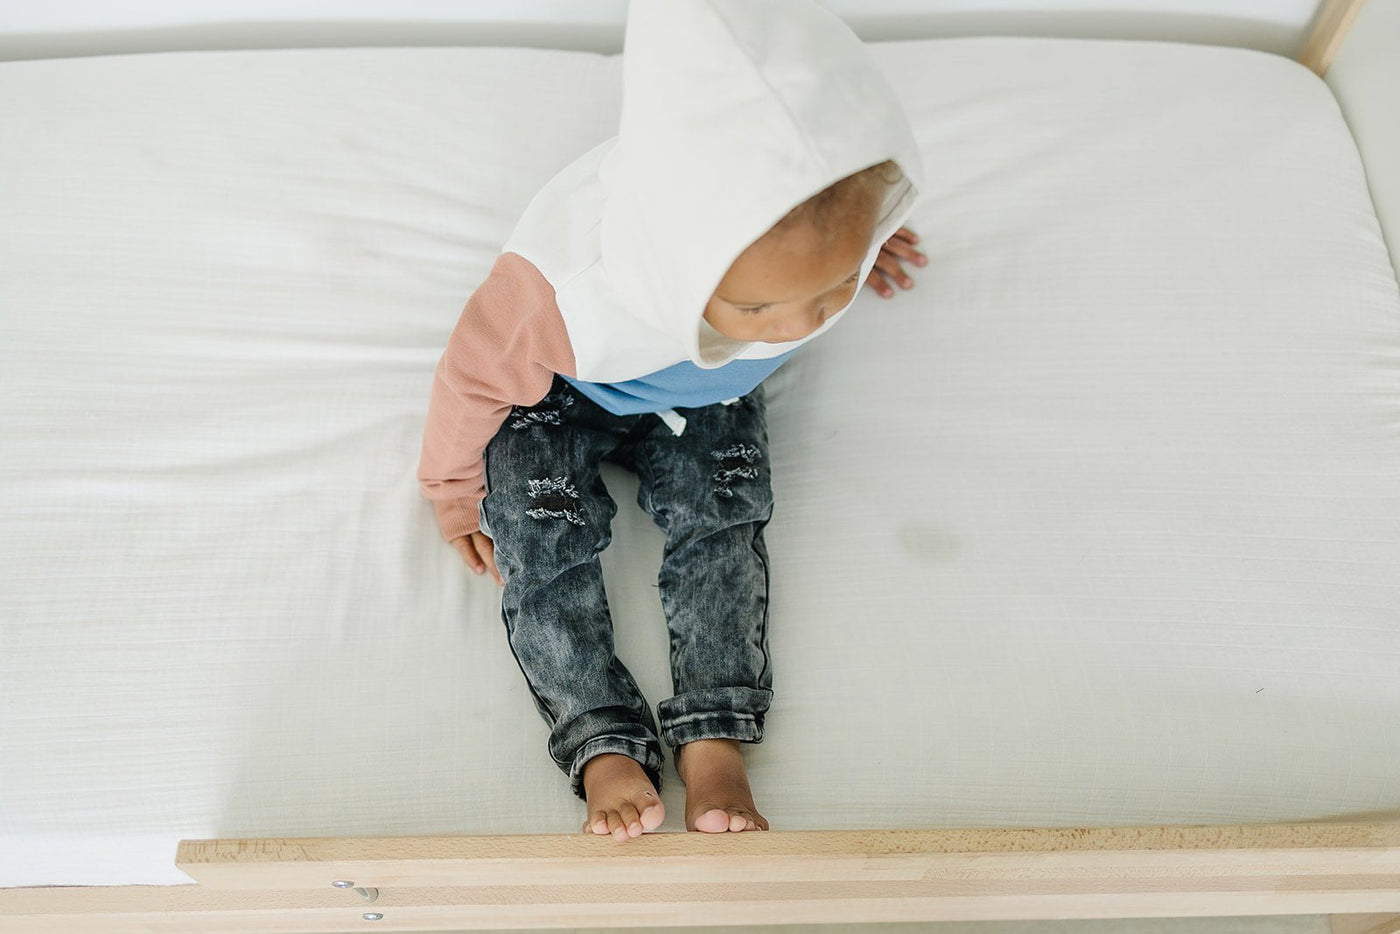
[(504, 351)]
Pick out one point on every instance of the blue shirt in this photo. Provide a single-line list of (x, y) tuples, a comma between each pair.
[(683, 385)]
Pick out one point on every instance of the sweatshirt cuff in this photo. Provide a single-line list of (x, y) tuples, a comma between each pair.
[(458, 517)]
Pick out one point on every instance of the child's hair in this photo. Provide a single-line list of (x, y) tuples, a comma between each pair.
[(840, 203)]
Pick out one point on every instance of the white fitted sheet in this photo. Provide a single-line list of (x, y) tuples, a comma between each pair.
[(1099, 524)]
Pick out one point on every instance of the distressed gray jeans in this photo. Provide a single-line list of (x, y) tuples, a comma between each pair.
[(550, 516)]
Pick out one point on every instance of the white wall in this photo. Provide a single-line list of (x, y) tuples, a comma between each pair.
[(57, 28)]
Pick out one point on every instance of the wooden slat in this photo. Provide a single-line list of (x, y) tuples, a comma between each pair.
[(183, 909), (831, 877), (1365, 924), (146, 909), (1333, 22), (815, 856)]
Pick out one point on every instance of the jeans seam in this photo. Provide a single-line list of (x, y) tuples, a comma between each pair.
[(767, 595)]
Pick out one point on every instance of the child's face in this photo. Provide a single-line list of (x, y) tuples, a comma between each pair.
[(788, 282)]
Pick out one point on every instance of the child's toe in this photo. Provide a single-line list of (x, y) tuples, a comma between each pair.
[(631, 818), (616, 827), (653, 815)]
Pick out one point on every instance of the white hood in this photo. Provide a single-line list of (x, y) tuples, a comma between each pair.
[(733, 113)]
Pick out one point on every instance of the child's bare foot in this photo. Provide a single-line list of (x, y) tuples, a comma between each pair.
[(622, 801), (717, 796)]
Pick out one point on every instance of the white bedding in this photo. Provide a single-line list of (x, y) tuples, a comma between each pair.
[(1100, 524)]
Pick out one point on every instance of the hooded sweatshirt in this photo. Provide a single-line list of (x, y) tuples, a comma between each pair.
[(733, 113)]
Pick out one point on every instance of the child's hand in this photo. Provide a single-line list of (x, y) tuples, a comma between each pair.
[(897, 247), (478, 551)]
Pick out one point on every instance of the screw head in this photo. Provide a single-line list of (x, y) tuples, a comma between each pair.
[(342, 884), (373, 916)]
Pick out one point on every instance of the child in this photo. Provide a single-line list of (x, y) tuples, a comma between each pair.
[(761, 172)]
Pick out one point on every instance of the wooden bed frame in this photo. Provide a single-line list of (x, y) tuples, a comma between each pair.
[(1350, 871)]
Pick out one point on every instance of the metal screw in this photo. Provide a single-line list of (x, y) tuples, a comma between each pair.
[(373, 916), (342, 884)]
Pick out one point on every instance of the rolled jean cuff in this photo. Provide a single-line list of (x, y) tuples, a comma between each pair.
[(649, 759), (739, 716)]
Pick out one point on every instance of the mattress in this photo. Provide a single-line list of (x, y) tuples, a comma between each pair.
[(1098, 524)]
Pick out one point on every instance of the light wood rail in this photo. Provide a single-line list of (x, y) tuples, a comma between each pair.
[(811, 877), (1334, 19)]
